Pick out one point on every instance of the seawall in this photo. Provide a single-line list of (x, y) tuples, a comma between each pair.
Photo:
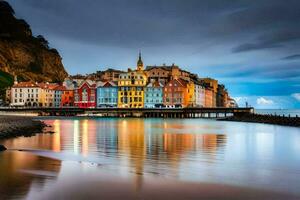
[(266, 119)]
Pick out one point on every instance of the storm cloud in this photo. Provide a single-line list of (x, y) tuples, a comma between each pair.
[(237, 41)]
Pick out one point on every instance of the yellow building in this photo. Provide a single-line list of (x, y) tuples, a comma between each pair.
[(190, 95), (131, 87)]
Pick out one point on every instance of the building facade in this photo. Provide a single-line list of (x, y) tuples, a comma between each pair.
[(47, 94), (209, 97), (154, 95), (213, 85), (57, 96), (199, 95), (175, 94), (131, 87), (85, 95), (107, 95), (222, 96), (26, 94)]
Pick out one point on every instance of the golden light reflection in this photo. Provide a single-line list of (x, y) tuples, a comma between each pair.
[(76, 137), (56, 137), (85, 138), (131, 140), (177, 144)]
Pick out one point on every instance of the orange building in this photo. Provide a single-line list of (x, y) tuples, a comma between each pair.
[(67, 97), (209, 97), (213, 85), (178, 93)]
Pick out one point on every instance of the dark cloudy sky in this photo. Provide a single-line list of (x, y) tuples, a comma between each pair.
[(252, 46)]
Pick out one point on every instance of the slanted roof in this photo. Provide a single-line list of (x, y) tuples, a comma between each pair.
[(50, 86), (155, 84), (28, 84), (90, 83), (109, 84), (179, 82)]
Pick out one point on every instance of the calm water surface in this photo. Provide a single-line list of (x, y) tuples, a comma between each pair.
[(153, 159)]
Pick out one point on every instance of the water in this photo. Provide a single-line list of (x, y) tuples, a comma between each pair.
[(153, 159)]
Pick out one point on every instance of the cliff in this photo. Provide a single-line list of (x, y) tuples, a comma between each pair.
[(22, 54)]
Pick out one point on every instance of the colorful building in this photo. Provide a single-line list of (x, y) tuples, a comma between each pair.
[(67, 97), (189, 98), (26, 94), (165, 73), (57, 96), (212, 84), (131, 87), (199, 95), (47, 94), (154, 95), (176, 93), (107, 94), (85, 95), (209, 100), (222, 96)]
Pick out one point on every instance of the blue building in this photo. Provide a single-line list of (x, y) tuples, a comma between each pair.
[(154, 95), (107, 94), (57, 96)]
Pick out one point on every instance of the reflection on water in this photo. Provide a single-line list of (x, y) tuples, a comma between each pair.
[(14, 183), (193, 150)]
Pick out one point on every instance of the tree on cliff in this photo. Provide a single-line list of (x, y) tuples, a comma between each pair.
[(43, 41), (22, 54)]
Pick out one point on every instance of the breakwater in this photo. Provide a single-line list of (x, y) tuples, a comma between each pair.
[(284, 120), (15, 126)]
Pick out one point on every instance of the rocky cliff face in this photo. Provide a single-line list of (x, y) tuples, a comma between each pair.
[(22, 54)]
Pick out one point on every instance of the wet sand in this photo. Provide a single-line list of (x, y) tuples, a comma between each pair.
[(83, 180)]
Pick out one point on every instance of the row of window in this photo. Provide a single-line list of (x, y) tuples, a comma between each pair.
[(174, 100), (28, 90), (132, 82), (27, 100), (154, 95), (28, 95), (131, 99), (130, 77), (153, 101), (107, 100), (131, 89), (130, 93)]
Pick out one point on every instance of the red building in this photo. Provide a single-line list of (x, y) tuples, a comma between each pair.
[(85, 95)]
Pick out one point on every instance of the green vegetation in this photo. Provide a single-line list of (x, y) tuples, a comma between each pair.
[(6, 80)]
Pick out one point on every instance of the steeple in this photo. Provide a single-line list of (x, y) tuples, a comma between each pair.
[(140, 65)]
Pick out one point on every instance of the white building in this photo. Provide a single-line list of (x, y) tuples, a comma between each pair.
[(25, 94), (199, 95)]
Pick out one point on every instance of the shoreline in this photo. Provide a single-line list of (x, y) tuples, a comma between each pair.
[(16, 126), (265, 119)]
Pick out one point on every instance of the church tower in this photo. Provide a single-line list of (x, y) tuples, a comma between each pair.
[(140, 65)]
